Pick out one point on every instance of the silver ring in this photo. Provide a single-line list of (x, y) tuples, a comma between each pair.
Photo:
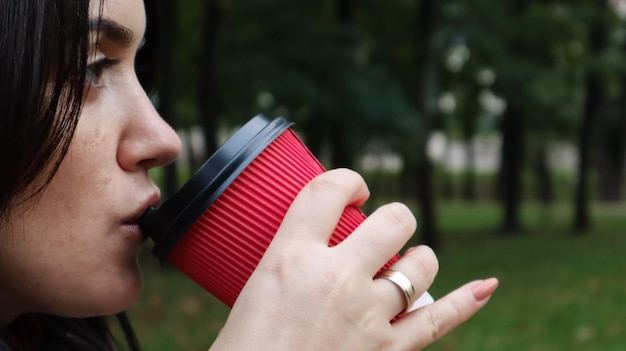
[(401, 281)]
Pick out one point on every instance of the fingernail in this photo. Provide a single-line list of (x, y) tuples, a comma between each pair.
[(484, 289)]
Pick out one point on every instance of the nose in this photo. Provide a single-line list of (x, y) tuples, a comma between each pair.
[(147, 141)]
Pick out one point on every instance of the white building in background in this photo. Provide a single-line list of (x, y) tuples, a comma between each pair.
[(451, 154), (620, 7), (448, 154)]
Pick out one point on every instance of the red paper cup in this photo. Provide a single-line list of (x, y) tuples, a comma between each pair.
[(217, 227)]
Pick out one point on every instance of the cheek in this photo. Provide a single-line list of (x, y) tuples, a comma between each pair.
[(80, 198), (66, 254), (63, 270), (90, 162), (79, 190)]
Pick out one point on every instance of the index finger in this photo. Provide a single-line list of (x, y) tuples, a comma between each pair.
[(316, 210)]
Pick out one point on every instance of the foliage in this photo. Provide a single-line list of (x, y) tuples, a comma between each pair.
[(281, 57), (359, 79)]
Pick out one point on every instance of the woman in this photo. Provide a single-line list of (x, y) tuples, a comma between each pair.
[(78, 136)]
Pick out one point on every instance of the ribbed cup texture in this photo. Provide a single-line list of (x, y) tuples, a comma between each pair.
[(223, 247)]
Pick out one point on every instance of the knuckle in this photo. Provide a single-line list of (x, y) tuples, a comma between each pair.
[(281, 265), (399, 215), (442, 321), (336, 285), (425, 268), (323, 183), (426, 259), (434, 324), (333, 180), (458, 308)]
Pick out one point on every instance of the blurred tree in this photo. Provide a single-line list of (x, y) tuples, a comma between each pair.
[(595, 107), (403, 38), (460, 68), (342, 154), (353, 74), (611, 147), (553, 102), (513, 125), (208, 91), (145, 62), (425, 28), (193, 72), (536, 67), (611, 156), (311, 64), (167, 24)]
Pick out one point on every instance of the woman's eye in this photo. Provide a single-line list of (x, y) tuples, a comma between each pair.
[(96, 70)]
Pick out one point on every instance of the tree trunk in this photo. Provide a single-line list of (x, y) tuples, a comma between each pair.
[(406, 185), (469, 185), (207, 82), (612, 147), (147, 57), (345, 11), (545, 193), (168, 25), (425, 27), (612, 157), (594, 107), (341, 153), (510, 179), (445, 178), (512, 152), (427, 221), (582, 220)]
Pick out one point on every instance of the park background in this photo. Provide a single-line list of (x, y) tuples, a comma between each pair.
[(502, 124)]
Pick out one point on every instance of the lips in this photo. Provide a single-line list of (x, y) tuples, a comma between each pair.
[(151, 201)]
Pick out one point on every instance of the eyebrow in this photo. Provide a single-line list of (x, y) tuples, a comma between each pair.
[(112, 30)]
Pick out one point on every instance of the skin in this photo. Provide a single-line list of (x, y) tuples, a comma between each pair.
[(73, 251), (299, 299)]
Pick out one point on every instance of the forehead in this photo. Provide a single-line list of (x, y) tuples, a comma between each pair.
[(121, 19)]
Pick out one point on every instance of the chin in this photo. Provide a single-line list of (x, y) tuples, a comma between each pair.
[(128, 294), (100, 305), (115, 298)]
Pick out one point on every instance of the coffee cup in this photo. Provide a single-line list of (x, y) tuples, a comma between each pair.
[(216, 228)]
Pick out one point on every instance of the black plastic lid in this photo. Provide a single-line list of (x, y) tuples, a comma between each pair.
[(167, 224)]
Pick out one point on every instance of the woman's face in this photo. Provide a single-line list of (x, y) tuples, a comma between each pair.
[(73, 252)]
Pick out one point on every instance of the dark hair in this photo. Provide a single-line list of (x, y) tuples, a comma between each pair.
[(42, 67), (36, 332), (42, 73)]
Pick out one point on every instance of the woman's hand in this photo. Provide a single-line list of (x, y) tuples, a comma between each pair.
[(305, 295)]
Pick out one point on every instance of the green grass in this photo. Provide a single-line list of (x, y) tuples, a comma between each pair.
[(557, 291)]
